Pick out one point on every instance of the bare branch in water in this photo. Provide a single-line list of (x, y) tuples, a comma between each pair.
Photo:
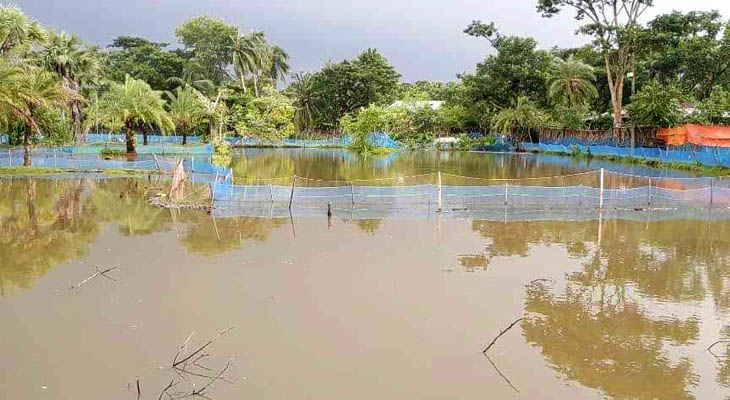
[(97, 273), (201, 348), (500, 335), (139, 392), (501, 374), (709, 348)]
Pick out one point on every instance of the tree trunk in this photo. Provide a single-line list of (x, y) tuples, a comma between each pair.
[(130, 141), (255, 86), (185, 138), (144, 136)]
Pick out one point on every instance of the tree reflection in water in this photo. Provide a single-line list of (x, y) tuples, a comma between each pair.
[(44, 223), (606, 325)]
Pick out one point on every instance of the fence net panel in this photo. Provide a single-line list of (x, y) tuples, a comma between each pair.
[(446, 190)]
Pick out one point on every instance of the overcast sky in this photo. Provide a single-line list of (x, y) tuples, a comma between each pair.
[(423, 38)]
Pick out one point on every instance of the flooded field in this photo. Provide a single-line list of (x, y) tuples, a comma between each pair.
[(388, 307)]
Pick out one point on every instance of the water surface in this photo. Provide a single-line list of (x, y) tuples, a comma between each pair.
[(387, 307)]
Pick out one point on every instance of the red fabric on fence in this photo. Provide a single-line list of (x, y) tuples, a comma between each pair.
[(704, 135)]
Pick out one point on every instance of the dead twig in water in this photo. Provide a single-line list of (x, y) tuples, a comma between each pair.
[(97, 273), (201, 391), (501, 374), (500, 335), (201, 348), (709, 348), (139, 392), (164, 391)]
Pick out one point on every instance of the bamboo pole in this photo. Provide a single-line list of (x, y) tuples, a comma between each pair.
[(439, 193), (291, 196)]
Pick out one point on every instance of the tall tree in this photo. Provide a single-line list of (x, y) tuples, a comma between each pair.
[(209, 39), (352, 84), (145, 60), (613, 25), (518, 69), (75, 66), (692, 48)]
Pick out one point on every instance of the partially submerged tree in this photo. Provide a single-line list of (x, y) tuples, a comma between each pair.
[(136, 106), (613, 25), (186, 110)]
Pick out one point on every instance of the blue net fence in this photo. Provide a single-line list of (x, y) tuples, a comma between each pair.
[(701, 155), (590, 189)]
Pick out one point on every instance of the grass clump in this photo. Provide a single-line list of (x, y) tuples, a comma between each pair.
[(113, 153)]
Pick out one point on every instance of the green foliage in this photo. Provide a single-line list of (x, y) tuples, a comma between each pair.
[(134, 106), (269, 117), (186, 109), (467, 143), (345, 87), (518, 69), (222, 153), (571, 83), (209, 39), (716, 108), (112, 153), (693, 48), (147, 61), (522, 116), (657, 105)]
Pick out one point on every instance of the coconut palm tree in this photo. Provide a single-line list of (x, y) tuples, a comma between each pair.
[(278, 63), (254, 56), (74, 64), (135, 105), (18, 31), (572, 83), (248, 56), (186, 109), (523, 116)]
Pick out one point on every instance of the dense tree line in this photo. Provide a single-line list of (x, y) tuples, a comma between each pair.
[(218, 80)]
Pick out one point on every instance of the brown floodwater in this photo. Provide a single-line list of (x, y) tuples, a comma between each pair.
[(390, 307)]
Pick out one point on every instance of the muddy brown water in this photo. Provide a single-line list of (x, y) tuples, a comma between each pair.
[(388, 308)]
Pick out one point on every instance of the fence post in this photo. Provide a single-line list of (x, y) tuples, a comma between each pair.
[(10, 158), (352, 192), (271, 192), (506, 183), (712, 191), (600, 201), (438, 193), (649, 190), (212, 192), (192, 164), (291, 196), (55, 161)]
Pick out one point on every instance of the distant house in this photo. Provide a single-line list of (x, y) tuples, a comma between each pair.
[(434, 104)]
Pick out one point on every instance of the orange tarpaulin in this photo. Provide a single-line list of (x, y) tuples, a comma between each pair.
[(704, 135)]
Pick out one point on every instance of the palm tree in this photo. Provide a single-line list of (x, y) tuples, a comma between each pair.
[(18, 30), (186, 109), (278, 63), (523, 116), (191, 78), (74, 65), (305, 101), (33, 89), (571, 83), (254, 56), (134, 105), (214, 115), (248, 56)]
